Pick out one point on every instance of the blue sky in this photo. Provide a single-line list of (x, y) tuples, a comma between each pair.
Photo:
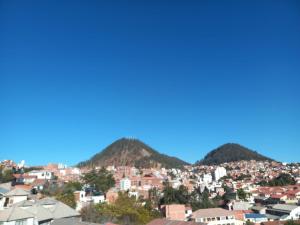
[(182, 76)]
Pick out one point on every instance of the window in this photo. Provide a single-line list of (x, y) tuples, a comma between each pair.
[(21, 222)]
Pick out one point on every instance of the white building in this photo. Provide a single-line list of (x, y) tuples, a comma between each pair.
[(125, 184), (207, 178), (215, 216), (219, 173), (284, 211), (42, 174), (12, 197), (43, 212), (82, 199)]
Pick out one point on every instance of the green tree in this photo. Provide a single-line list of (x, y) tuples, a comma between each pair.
[(72, 186), (6, 175), (102, 180), (126, 210), (292, 222), (200, 200), (172, 195), (249, 223), (154, 197), (68, 198), (282, 180), (241, 194)]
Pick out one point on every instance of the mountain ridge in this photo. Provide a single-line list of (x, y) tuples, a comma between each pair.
[(231, 152), (132, 152)]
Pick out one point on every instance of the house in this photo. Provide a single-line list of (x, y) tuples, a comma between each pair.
[(75, 221), (43, 212), (24, 179), (3, 191), (42, 174), (283, 212), (16, 216), (14, 196), (259, 209), (84, 198), (239, 205), (215, 216), (172, 222), (174, 212), (256, 218)]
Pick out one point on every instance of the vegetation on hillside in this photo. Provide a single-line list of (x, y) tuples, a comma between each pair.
[(230, 153), (282, 180), (132, 152)]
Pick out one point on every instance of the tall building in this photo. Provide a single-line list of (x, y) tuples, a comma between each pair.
[(219, 173), (207, 178)]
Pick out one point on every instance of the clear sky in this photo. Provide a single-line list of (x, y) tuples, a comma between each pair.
[(182, 76)]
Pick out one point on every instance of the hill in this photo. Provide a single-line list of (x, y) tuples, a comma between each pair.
[(132, 152), (229, 153)]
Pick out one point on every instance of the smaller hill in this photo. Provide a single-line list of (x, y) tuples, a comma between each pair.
[(229, 153)]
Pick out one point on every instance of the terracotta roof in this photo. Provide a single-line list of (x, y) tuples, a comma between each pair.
[(212, 212)]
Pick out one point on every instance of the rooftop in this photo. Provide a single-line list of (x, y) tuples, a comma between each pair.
[(212, 212)]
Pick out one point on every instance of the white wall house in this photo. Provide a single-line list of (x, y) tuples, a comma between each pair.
[(125, 184), (207, 178), (42, 174), (83, 200), (12, 197), (219, 173), (215, 216), (42, 212), (285, 211)]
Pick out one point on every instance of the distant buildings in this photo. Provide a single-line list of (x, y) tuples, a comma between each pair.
[(42, 174)]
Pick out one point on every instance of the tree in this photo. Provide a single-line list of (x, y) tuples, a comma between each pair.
[(292, 222), (200, 200), (72, 186), (172, 195), (91, 214), (102, 180), (241, 194), (282, 180), (6, 175), (249, 223), (154, 197), (126, 210), (68, 198)]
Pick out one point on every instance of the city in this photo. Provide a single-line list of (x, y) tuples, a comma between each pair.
[(139, 112), (236, 192)]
